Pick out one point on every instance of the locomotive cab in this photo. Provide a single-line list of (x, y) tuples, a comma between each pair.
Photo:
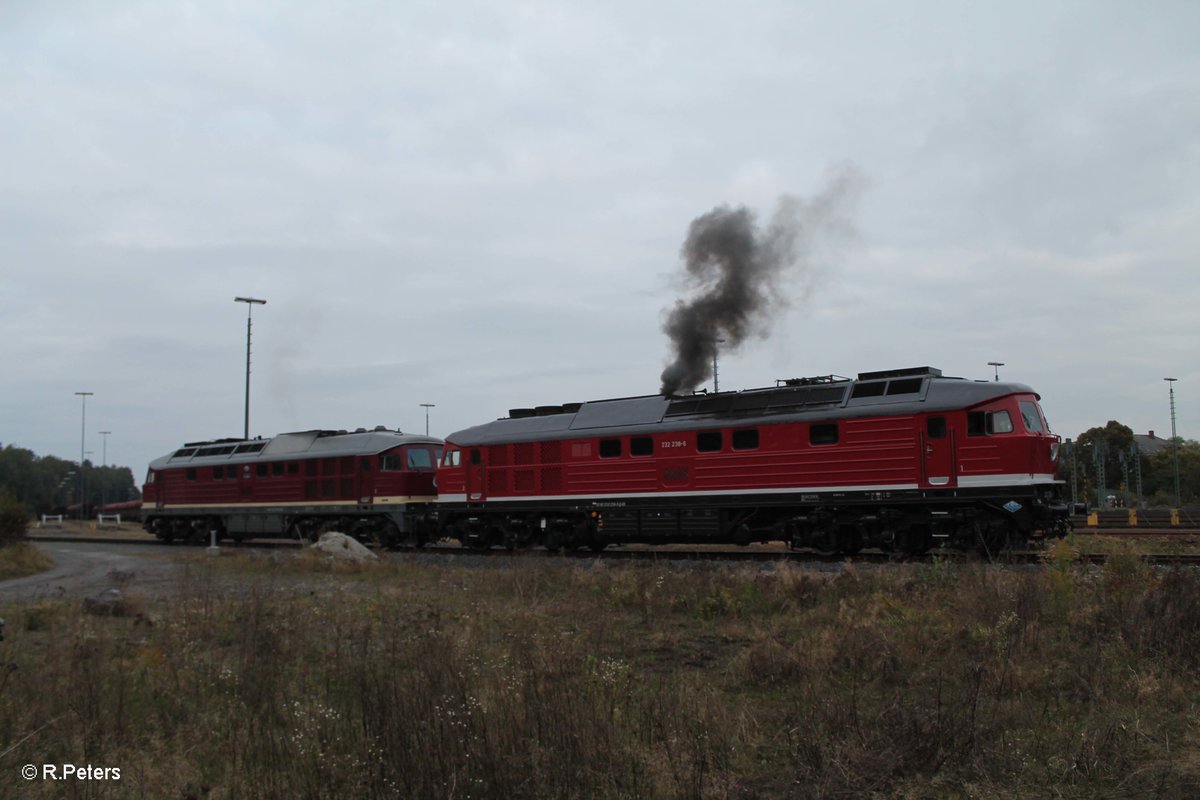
[(408, 471), (1012, 435)]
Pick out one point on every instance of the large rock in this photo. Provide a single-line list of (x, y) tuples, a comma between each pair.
[(339, 545), (109, 603)]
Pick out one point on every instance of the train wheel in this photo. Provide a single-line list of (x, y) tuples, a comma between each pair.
[(850, 540), (392, 538), (162, 529), (556, 538), (913, 541), (991, 539), (198, 533)]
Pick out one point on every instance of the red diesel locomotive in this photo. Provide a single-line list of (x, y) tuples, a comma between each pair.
[(375, 485), (899, 460)]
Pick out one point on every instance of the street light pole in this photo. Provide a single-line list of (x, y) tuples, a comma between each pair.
[(82, 437), (103, 464), (1174, 440), (427, 406), (250, 303), (996, 365)]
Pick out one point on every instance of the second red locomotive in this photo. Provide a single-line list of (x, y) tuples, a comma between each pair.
[(899, 460), (377, 485)]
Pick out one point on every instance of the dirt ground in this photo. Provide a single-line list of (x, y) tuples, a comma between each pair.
[(86, 568)]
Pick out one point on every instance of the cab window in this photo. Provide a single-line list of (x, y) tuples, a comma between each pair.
[(419, 458), (1031, 417)]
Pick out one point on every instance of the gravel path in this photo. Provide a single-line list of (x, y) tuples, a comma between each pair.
[(86, 568)]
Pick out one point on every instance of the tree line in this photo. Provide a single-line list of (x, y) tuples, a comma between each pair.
[(1108, 458), (51, 485)]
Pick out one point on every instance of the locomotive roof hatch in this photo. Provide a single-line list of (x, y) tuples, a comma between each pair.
[(931, 372)]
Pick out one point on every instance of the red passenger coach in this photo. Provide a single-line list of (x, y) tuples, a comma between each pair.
[(901, 460), (376, 485)]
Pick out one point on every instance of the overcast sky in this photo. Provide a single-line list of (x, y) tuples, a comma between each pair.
[(481, 205)]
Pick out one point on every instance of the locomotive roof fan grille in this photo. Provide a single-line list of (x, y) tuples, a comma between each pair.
[(908, 372)]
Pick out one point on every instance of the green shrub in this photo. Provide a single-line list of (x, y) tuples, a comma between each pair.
[(14, 519)]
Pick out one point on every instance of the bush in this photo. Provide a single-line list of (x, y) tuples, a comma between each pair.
[(14, 519)]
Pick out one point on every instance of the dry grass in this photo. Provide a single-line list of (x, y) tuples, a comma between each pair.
[(1177, 543), (21, 559), (278, 675), (90, 528)]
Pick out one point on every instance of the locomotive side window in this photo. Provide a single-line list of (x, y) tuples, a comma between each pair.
[(745, 439), (277, 468), (823, 433), (191, 473), (868, 390), (475, 456), (709, 441), (452, 458), (218, 473), (976, 423), (906, 386), (985, 423), (610, 448), (364, 463), (293, 468), (391, 463), (641, 446), (260, 470), (936, 427)]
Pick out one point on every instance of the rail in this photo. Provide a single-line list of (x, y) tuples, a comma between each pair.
[(660, 554)]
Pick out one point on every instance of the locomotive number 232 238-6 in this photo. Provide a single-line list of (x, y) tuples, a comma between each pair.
[(672, 443)]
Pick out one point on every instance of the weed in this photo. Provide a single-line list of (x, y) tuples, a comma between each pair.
[(20, 559), (269, 677)]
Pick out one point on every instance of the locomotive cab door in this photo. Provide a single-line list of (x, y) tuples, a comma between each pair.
[(938, 468), (476, 474), (366, 481)]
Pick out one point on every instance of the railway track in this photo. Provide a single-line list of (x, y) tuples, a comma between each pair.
[(747, 555)]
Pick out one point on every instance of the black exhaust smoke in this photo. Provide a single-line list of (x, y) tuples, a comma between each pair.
[(738, 272)]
